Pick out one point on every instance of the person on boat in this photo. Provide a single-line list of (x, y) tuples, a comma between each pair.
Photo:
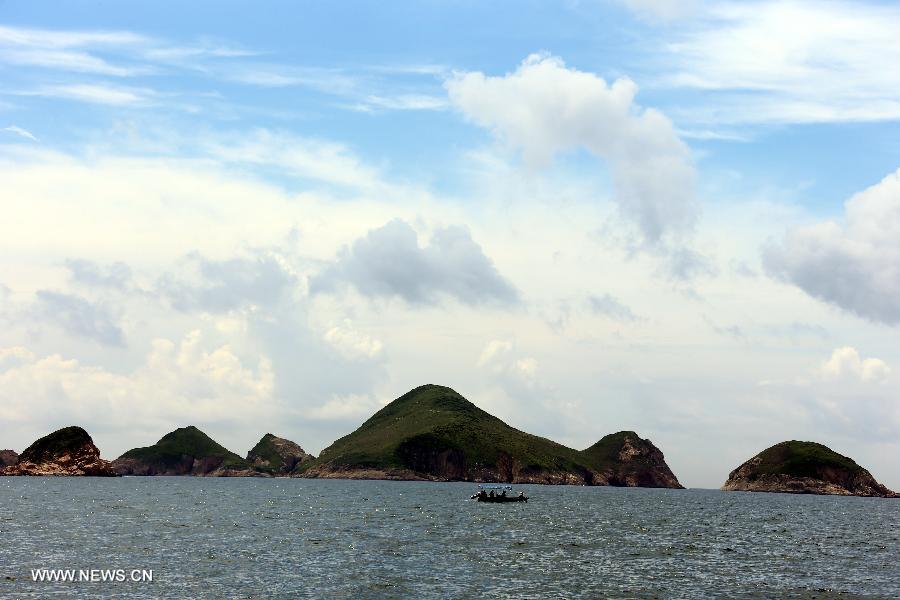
[(491, 494), (521, 494), (482, 494), (503, 494)]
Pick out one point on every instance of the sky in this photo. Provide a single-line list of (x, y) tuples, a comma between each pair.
[(675, 217)]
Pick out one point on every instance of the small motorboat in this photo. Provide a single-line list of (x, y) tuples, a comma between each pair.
[(497, 493)]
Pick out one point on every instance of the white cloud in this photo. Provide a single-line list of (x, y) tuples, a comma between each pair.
[(664, 10), (845, 362), (609, 306), (854, 265), (351, 406), (791, 61), (47, 38), (544, 108), (500, 357), (317, 160), (402, 102), (21, 132), (352, 343), (177, 383), (77, 316), (96, 93), (389, 262), (217, 286), (67, 60)]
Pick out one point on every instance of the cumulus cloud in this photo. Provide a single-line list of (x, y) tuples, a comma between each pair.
[(389, 262), (846, 363), (200, 283), (544, 108), (78, 316), (854, 265)]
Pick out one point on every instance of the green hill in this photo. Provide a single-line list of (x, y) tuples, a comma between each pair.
[(432, 432), (804, 467), (801, 459), (185, 451)]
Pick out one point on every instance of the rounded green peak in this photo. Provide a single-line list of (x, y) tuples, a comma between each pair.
[(182, 433), (800, 458)]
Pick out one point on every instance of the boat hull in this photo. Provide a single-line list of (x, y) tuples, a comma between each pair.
[(500, 499)]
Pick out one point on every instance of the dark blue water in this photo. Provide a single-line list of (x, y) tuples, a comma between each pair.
[(286, 538)]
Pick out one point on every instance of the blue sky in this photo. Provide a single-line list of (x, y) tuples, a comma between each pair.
[(674, 217)]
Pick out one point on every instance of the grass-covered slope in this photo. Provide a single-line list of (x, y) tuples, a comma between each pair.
[(804, 467), (801, 459), (433, 430), (186, 450)]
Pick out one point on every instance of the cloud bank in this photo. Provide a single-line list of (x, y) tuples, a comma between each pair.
[(388, 262), (854, 265), (544, 108)]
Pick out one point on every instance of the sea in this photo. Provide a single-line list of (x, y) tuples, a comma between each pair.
[(305, 538)]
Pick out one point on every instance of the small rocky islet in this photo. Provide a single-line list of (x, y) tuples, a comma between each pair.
[(67, 451), (433, 433), (804, 468)]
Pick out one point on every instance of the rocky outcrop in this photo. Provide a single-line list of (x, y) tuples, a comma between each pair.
[(68, 451), (8, 458), (804, 468), (185, 451), (276, 455), (625, 459)]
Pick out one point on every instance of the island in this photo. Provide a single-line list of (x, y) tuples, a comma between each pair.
[(804, 468), (67, 451), (185, 451), (434, 433), (276, 455)]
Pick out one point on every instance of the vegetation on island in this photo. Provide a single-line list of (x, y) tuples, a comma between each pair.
[(180, 448), (801, 459), (67, 440)]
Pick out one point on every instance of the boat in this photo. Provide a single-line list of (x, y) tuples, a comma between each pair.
[(490, 493)]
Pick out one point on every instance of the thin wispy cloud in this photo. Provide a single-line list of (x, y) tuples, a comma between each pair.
[(21, 132), (789, 62), (95, 94)]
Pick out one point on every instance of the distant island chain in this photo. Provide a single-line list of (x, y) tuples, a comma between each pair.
[(432, 433)]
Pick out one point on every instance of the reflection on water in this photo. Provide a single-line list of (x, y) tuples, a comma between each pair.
[(264, 538)]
